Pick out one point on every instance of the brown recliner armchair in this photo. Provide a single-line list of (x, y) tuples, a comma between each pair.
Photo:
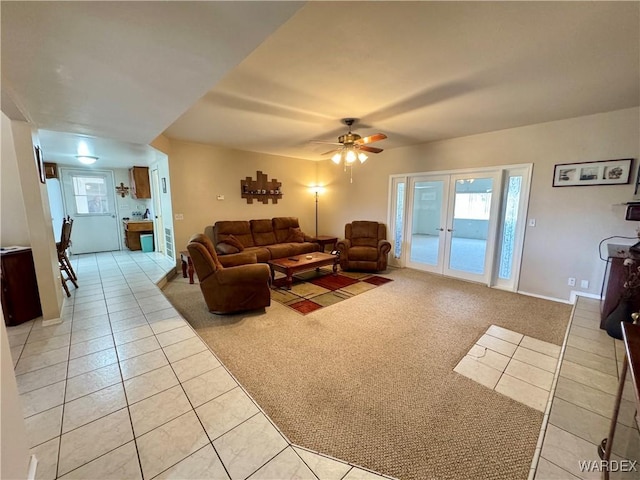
[(233, 288), (365, 246)]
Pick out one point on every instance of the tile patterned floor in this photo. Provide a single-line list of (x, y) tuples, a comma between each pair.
[(513, 364), (582, 403), (124, 388)]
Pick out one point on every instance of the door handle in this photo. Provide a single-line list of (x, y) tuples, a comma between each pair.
[(440, 229), (449, 229)]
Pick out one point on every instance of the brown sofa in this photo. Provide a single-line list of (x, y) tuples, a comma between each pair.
[(267, 239), (232, 289)]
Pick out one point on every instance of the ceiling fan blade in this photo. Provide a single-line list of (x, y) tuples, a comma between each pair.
[(322, 141), (371, 138), (370, 149), (332, 151)]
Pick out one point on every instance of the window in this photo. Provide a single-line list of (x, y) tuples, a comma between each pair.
[(473, 206), (90, 194)]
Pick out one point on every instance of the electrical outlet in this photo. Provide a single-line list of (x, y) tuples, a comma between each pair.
[(584, 283), (571, 282), (180, 216)]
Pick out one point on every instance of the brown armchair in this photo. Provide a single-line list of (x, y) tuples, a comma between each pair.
[(365, 246), (229, 289)]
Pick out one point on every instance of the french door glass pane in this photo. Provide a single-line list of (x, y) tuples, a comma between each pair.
[(471, 213), (426, 221), (514, 187), (399, 224)]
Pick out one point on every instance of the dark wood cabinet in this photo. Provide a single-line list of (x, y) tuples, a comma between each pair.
[(615, 277), (140, 185), (20, 296)]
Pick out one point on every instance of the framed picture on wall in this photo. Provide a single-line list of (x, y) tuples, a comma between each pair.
[(40, 163), (604, 172)]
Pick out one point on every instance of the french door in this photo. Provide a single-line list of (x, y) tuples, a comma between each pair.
[(465, 224)]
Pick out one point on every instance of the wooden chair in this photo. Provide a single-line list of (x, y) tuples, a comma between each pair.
[(63, 259)]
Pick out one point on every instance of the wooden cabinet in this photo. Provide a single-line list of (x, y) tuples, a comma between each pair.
[(20, 296), (615, 277), (132, 232), (139, 180), (50, 170)]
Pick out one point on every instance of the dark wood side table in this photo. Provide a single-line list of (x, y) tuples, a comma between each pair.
[(187, 265), (324, 240)]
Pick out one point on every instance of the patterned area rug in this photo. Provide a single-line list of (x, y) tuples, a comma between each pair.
[(317, 289)]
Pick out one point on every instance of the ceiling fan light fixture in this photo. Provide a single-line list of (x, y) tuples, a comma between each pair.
[(336, 158), (362, 157), (87, 159), (350, 156)]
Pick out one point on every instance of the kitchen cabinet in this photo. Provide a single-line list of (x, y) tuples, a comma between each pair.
[(133, 230), (139, 180), (20, 296)]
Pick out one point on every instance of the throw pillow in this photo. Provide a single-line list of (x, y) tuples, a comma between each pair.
[(226, 249), (234, 242), (295, 235)]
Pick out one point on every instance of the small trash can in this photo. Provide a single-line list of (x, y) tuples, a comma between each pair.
[(146, 241)]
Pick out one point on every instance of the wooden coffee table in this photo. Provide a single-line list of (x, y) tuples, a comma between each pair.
[(300, 263)]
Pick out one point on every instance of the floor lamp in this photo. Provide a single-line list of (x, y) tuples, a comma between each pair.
[(317, 190)]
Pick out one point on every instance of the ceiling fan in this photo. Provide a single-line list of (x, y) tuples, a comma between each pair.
[(353, 146)]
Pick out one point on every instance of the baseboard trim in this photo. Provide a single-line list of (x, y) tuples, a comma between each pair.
[(51, 321), (544, 297), (33, 466), (578, 293)]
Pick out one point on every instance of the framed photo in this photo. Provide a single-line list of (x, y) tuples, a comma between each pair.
[(164, 185), (40, 163), (604, 172)]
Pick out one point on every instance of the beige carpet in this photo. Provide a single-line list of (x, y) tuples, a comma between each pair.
[(370, 380)]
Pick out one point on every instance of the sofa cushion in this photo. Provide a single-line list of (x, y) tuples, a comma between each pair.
[(364, 234), (363, 253), (225, 249), (262, 231), (233, 241), (295, 235), (305, 247), (281, 226), (238, 228)]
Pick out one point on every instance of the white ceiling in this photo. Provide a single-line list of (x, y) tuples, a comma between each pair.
[(271, 76)]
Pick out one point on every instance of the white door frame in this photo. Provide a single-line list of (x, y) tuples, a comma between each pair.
[(491, 259)]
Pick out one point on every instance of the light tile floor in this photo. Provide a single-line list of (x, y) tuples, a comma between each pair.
[(574, 385), (124, 388), (582, 403), (513, 364)]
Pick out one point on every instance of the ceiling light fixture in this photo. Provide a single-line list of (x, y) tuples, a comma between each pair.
[(87, 159)]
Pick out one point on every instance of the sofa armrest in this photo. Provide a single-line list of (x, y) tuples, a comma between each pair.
[(235, 259), (245, 274), (343, 247), (384, 246)]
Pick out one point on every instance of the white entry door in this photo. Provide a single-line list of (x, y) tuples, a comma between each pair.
[(89, 197)]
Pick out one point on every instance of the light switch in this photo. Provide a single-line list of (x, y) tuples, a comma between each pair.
[(220, 197), (179, 216)]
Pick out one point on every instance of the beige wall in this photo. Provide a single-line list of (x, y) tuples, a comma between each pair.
[(14, 461), (571, 221), (36, 204), (13, 229), (199, 173)]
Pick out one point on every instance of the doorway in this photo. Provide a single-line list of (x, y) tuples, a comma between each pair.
[(90, 200), (157, 212), (466, 224)]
